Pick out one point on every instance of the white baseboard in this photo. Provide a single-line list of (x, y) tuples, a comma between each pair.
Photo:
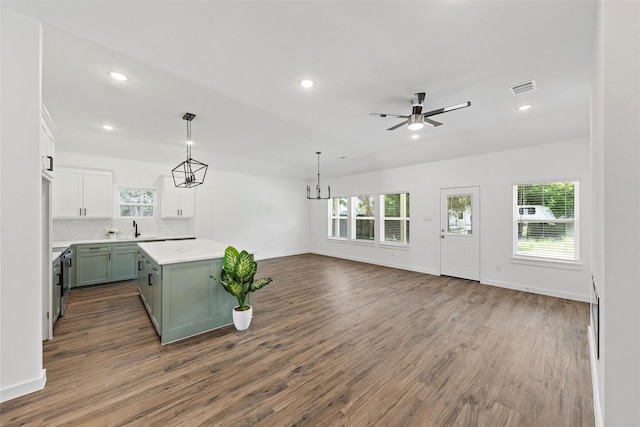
[(541, 291), (24, 388), (380, 263), (259, 256), (597, 410)]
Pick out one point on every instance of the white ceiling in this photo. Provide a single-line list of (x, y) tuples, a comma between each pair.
[(236, 65)]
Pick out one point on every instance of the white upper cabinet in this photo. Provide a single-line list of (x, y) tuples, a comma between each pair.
[(47, 143), (176, 202), (82, 193)]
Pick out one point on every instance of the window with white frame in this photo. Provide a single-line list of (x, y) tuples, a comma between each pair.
[(136, 202), (363, 225), (338, 217), (546, 219), (395, 218)]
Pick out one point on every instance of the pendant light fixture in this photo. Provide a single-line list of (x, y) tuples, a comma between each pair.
[(191, 172), (318, 197)]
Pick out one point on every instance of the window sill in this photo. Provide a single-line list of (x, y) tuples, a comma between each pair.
[(363, 242), (543, 262)]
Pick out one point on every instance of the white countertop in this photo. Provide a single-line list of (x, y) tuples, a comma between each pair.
[(141, 239), (174, 251)]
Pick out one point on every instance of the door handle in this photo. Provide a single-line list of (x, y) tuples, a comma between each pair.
[(50, 168), (442, 236)]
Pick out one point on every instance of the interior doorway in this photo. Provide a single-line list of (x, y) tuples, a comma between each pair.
[(460, 232)]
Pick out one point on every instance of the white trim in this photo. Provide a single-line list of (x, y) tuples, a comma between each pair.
[(24, 388), (380, 263), (597, 410), (547, 262), (536, 290)]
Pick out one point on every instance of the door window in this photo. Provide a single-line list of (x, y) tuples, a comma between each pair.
[(459, 214)]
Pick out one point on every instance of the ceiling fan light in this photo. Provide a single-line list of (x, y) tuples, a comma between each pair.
[(416, 126)]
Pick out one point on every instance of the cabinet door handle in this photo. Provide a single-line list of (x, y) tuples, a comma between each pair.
[(80, 211), (85, 211), (50, 168), (70, 262), (109, 256), (58, 284), (139, 267), (150, 279)]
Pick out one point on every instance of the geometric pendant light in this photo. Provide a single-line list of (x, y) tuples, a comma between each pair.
[(191, 172)]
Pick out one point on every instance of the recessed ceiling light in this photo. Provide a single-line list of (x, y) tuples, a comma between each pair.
[(415, 136), (107, 127), (524, 107), (306, 83), (118, 76)]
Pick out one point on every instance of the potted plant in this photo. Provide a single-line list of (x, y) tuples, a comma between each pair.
[(112, 233), (237, 278)]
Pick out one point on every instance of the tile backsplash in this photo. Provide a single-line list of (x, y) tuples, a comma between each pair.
[(90, 229)]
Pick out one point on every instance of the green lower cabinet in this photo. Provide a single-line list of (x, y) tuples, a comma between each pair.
[(183, 300), (93, 264), (105, 263), (123, 256)]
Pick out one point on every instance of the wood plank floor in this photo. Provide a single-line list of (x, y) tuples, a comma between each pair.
[(332, 343)]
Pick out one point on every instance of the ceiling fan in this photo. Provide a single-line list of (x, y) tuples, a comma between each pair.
[(417, 119)]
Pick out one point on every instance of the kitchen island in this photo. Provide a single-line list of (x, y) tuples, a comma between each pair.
[(176, 288)]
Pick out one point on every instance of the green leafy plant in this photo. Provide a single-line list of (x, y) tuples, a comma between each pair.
[(238, 273)]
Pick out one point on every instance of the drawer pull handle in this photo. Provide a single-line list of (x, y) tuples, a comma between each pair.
[(150, 279)]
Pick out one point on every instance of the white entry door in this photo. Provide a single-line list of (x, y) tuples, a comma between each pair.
[(460, 232)]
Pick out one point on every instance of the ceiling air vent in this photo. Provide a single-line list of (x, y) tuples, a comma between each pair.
[(523, 87)]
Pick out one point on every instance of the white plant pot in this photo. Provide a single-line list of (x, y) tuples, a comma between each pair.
[(242, 319)]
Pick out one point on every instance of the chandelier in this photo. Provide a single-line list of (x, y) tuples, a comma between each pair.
[(318, 197), (191, 172)]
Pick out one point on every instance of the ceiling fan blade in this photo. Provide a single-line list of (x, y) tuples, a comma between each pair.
[(399, 125), (447, 109), (431, 122), (387, 115)]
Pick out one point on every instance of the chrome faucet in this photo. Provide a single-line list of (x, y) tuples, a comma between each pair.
[(136, 234)]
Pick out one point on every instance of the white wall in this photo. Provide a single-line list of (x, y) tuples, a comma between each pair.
[(21, 334), (264, 215), (616, 177), (495, 174)]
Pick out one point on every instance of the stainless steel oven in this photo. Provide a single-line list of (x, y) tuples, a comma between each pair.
[(65, 265)]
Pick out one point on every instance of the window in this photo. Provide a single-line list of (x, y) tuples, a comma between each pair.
[(395, 223), (546, 220), (338, 219), (136, 202), (363, 217)]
